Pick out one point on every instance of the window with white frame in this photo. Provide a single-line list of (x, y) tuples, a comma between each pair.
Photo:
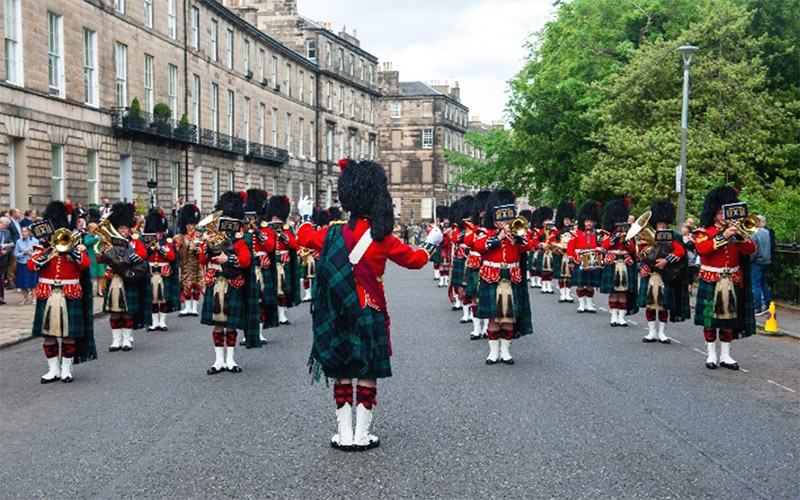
[(329, 144), (312, 145), (174, 169), (397, 109), (352, 144), (90, 67), (119, 6), (361, 69), (152, 169), (287, 81), (121, 61), (246, 122), (173, 91), (57, 171), (55, 51), (274, 128), (274, 72), (214, 184), (329, 95), (341, 59), (261, 56), (230, 180), (230, 112), (172, 26), (13, 35), (371, 111), (289, 133), (311, 90), (148, 83), (214, 108), (363, 147), (341, 100), (311, 49), (352, 103), (229, 48), (372, 147), (261, 182), (92, 184), (195, 19), (427, 138), (248, 180), (261, 123), (362, 107), (301, 77), (300, 138), (342, 154), (196, 100), (371, 74), (148, 13), (246, 55), (214, 44), (351, 64), (328, 53)]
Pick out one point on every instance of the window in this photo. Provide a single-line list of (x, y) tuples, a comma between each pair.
[(196, 100), (230, 180), (311, 90), (230, 113), (342, 154), (261, 182), (274, 74), (119, 6), (329, 145), (274, 128), (341, 100), (361, 69), (57, 172), (287, 81), (122, 74), (371, 147), (248, 179), (312, 151), (173, 91), (92, 193), (229, 48), (174, 168), (371, 74), (301, 137), (352, 103), (247, 122), (246, 55), (214, 46), (90, 67), (152, 169), (148, 13), (361, 107), (261, 123), (397, 109), (214, 184), (371, 111), (195, 20), (351, 64), (329, 95), (261, 65), (341, 59), (352, 144), (301, 76), (289, 133), (214, 109), (311, 49), (328, 53), (427, 138), (13, 35), (148, 83), (55, 49), (172, 30)]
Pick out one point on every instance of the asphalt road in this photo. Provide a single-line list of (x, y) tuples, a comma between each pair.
[(587, 411)]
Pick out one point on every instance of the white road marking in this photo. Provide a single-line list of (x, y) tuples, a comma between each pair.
[(632, 322), (781, 386), (698, 350)]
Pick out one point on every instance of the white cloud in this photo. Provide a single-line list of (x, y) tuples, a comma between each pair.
[(478, 43)]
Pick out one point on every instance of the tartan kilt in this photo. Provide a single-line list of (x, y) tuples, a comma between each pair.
[(586, 278), (607, 278), (457, 272), (741, 328), (236, 315), (269, 295), (74, 317), (473, 279), (538, 262), (487, 293), (132, 297), (371, 330), (557, 265), (532, 269), (436, 256), (172, 291)]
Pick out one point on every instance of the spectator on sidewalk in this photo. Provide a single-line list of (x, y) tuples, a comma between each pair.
[(14, 230), (693, 260), (26, 280), (30, 216), (80, 212), (761, 260), (97, 269), (6, 247)]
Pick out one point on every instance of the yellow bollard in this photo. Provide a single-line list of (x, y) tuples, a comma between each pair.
[(771, 325)]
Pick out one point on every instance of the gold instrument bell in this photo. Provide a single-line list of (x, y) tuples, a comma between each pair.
[(62, 241), (646, 235), (519, 226), (106, 232)]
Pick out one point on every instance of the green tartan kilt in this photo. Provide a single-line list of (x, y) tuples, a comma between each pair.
[(532, 269), (436, 257), (586, 278), (705, 291), (269, 295), (172, 291), (236, 316), (487, 293), (371, 330), (669, 294), (607, 278), (74, 317), (132, 297), (538, 262), (457, 272), (472, 279), (557, 265)]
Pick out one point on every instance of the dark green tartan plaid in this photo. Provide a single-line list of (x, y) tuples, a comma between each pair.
[(269, 295), (677, 311), (586, 278), (75, 318), (487, 303), (538, 261), (457, 272), (349, 341), (472, 279), (436, 257), (235, 298), (607, 279), (557, 265), (744, 325), (132, 296)]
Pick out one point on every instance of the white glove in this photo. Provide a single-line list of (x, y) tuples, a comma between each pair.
[(435, 237), (305, 207)]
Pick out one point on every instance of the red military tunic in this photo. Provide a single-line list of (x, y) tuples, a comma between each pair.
[(717, 255), (508, 254), (62, 270), (284, 245), (262, 250), (159, 261), (242, 254), (583, 240)]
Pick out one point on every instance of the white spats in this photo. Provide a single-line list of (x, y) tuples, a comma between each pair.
[(662, 336), (711, 358), (261, 333), (127, 339), (562, 297), (195, 305), (344, 427), (581, 304), (436, 274), (651, 332), (590, 305), (621, 317), (162, 321), (282, 319), (614, 321), (457, 304), (307, 294), (116, 340), (362, 439), (476, 329), (66, 369), (568, 294), (725, 359), (442, 281), (494, 352), (230, 364), (465, 313), (53, 372), (505, 352), (219, 361), (187, 308)]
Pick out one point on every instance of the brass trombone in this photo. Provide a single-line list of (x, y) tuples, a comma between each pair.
[(61, 242), (746, 226)]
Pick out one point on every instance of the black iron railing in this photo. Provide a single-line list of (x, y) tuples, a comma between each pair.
[(784, 273)]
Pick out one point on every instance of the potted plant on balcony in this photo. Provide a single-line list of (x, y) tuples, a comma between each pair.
[(183, 132), (133, 117), (161, 118)]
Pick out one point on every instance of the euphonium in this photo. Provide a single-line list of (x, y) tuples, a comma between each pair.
[(646, 236), (212, 237), (519, 226), (106, 232)]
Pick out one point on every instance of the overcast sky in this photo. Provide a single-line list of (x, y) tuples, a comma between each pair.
[(478, 43)]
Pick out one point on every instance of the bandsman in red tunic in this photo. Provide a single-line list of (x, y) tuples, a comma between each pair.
[(565, 231), (585, 254), (161, 257), (64, 308), (477, 212), (619, 279), (725, 295), (262, 239), (188, 244), (544, 237), (287, 265)]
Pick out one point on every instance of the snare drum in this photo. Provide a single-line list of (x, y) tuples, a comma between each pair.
[(591, 260)]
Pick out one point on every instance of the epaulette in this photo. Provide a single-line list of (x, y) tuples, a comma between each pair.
[(336, 223)]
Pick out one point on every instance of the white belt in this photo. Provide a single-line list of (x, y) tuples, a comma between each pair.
[(48, 281), (618, 252), (501, 265), (463, 245), (216, 267), (158, 264), (282, 252), (474, 253), (720, 270), (261, 254)]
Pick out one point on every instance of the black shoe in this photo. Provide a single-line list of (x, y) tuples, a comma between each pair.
[(623, 325), (182, 314), (666, 341), (464, 321), (195, 314), (126, 348), (372, 444), (561, 300), (591, 311), (729, 366), (163, 328), (243, 342), (67, 380), (571, 301), (152, 328), (287, 322), (648, 341), (235, 369), (490, 362), (114, 349), (2, 302), (711, 366), (509, 361), (45, 381), (214, 371), (454, 308), (475, 337)]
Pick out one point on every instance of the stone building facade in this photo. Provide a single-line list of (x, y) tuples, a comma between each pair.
[(73, 68), (417, 123)]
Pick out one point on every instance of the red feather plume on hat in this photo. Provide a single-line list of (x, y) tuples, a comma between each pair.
[(627, 202), (288, 200), (343, 163), (243, 194), (598, 204)]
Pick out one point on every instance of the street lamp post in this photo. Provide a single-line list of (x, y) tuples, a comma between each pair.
[(686, 51)]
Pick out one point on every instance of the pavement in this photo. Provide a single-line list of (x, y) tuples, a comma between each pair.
[(588, 411)]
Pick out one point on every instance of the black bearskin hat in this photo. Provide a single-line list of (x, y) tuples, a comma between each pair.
[(443, 212), (497, 198), (455, 209), (335, 213), (56, 212), (256, 202), (662, 211), (589, 211), (232, 205), (321, 217), (528, 215), (479, 205), (565, 210), (616, 211), (713, 203), (278, 206), (94, 215), (464, 210), (122, 214), (155, 222), (363, 191), (545, 213), (189, 214)]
